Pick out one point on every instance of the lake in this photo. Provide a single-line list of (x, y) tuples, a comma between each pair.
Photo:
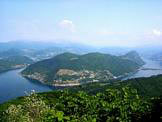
[(12, 85), (147, 73)]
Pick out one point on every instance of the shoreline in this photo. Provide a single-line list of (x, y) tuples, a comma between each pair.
[(1, 72), (117, 78), (76, 84)]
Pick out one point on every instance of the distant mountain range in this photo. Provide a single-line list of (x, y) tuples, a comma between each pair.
[(42, 50), (69, 68)]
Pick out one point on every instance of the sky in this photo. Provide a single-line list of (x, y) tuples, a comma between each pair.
[(128, 23)]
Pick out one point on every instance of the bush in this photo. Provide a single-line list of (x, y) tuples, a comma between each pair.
[(111, 106), (33, 109)]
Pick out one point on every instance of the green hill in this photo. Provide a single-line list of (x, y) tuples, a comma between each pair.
[(133, 56), (72, 68), (94, 102), (14, 62), (146, 87)]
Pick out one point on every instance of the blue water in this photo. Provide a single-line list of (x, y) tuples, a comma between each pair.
[(12, 85), (147, 73)]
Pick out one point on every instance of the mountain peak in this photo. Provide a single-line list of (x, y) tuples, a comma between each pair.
[(134, 56)]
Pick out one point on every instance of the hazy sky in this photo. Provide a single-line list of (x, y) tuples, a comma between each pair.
[(94, 22)]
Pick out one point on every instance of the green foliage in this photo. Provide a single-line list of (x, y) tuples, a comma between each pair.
[(134, 56), (33, 109), (146, 87), (101, 102), (62, 106), (91, 61), (9, 63)]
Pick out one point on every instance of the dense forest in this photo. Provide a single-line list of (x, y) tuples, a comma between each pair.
[(146, 87), (117, 65), (128, 101)]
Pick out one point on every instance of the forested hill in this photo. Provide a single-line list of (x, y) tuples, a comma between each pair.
[(72, 65), (146, 87), (14, 62), (117, 102), (133, 56)]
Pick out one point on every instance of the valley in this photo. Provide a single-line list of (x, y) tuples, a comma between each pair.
[(17, 85), (67, 78), (80, 61)]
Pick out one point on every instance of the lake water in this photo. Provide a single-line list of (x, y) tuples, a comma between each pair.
[(147, 73), (12, 85)]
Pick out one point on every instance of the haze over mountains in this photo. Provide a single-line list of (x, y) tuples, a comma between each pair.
[(80, 60), (14, 62), (43, 50), (157, 56)]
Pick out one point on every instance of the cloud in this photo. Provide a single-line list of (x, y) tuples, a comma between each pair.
[(157, 32), (67, 25)]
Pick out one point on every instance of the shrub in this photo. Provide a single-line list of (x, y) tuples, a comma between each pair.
[(113, 105)]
